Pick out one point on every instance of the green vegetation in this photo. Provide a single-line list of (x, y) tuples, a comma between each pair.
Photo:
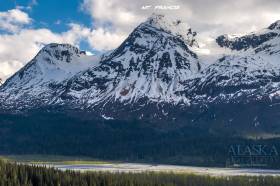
[(23, 175), (136, 141), (53, 159)]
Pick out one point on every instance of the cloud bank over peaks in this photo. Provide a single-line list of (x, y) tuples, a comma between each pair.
[(13, 20), (20, 42)]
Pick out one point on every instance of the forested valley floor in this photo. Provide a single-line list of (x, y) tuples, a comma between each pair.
[(12, 174)]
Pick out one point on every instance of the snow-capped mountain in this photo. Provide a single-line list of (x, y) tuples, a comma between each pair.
[(151, 63), (53, 64), (251, 71), (155, 73)]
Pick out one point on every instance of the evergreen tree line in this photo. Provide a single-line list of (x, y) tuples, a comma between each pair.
[(25, 175), (57, 134)]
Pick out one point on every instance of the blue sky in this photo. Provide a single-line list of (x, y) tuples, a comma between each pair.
[(48, 13), (27, 25), (53, 14)]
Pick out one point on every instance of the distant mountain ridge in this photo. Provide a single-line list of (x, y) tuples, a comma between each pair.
[(156, 75)]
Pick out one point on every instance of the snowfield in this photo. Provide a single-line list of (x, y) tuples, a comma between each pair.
[(138, 168), (162, 62)]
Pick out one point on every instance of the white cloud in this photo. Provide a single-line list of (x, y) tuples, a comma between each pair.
[(13, 20), (208, 17), (118, 13), (102, 39), (75, 34), (19, 48), (31, 4), (8, 68), (113, 20), (21, 44)]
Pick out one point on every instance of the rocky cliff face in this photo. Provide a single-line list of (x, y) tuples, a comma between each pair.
[(32, 85), (155, 74), (151, 63), (250, 72)]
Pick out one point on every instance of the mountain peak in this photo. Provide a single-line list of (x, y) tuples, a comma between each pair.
[(160, 20), (62, 52), (275, 25), (54, 62), (63, 46), (171, 25)]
